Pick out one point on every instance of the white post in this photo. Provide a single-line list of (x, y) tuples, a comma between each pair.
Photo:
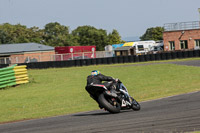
[(28, 59), (83, 55), (5, 61), (61, 57), (72, 57), (39, 56), (16, 59), (10, 60)]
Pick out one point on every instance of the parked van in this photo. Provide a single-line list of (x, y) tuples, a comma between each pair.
[(143, 47)]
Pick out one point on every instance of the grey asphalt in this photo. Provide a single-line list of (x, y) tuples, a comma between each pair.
[(188, 63), (173, 114), (195, 63)]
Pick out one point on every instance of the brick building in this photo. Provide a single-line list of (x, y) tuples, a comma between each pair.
[(25, 53), (181, 36)]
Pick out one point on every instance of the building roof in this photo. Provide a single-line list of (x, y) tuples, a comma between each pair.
[(128, 44), (23, 47), (117, 45), (123, 48)]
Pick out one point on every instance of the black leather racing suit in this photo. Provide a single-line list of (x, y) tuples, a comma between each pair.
[(97, 79)]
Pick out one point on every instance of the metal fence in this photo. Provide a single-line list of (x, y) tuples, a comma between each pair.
[(182, 26), (111, 60), (56, 57)]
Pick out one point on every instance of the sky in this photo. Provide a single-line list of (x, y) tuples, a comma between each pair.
[(129, 17)]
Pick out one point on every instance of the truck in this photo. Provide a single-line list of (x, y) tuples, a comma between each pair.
[(74, 52)]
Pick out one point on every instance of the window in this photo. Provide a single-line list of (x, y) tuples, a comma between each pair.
[(124, 53), (140, 47), (117, 53), (197, 43), (171, 45), (184, 44)]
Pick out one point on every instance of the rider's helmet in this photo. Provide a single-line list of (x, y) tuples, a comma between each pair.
[(95, 72)]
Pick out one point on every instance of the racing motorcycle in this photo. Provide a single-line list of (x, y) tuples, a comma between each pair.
[(114, 99)]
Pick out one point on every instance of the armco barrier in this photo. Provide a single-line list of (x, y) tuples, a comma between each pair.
[(113, 60), (13, 75)]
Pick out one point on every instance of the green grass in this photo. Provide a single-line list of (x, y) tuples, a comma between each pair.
[(61, 91)]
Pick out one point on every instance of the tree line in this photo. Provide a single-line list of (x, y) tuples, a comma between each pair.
[(55, 34)]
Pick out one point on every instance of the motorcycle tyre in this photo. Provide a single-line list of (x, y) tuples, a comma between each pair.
[(135, 107), (104, 103)]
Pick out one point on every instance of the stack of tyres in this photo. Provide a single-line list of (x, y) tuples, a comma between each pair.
[(109, 60), (115, 60), (13, 75), (125, 59), (196, 53), (141, 58), (158, 56), (190, 54), (152, 57), (130, 58), (120, 59), (173, 55), (94, 61), (147, 57)]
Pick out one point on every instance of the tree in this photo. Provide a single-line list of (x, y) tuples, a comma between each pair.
[(88, 35), (56, 34), (36, 35), (3, 36), (153, 34), (114, 38), (19, 34)]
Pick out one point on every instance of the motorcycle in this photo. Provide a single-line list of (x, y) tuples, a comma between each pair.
[(114, 99)]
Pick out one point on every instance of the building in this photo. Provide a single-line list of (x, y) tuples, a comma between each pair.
[(25, 53), (75, 52), (181, 36), (124, 51)]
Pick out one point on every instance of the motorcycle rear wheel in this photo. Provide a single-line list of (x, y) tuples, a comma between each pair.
[(107, 105)]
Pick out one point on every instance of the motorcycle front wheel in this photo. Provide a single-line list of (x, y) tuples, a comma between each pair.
[(135, 105), (108, 104)]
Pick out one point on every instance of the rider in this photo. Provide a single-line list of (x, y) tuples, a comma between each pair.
[(96, 78)]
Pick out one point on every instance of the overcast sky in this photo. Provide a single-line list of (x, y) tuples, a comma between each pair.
[(128, 17)]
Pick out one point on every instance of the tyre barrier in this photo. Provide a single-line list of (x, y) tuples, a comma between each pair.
[(13, 75), (111, 60)]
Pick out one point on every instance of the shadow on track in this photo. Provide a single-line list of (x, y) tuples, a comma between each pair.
[(100, 113)]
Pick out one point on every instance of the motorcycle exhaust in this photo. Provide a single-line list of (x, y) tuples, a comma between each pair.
[(108, 93)]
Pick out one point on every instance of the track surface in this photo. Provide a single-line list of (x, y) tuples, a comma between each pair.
[(173, 114)]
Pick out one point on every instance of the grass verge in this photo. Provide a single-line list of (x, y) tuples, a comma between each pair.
[(59, 91)]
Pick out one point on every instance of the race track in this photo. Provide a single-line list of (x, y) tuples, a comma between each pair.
[(173, 114)]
